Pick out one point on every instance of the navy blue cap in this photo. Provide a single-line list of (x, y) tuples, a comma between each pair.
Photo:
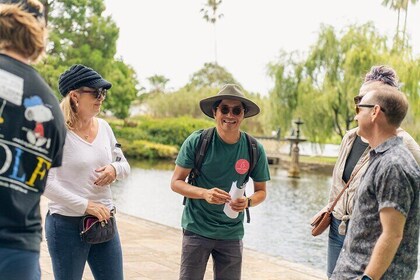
[(81, 76)]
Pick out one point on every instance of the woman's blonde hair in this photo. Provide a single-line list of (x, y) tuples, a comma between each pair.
[(69, 109), (23, 32)]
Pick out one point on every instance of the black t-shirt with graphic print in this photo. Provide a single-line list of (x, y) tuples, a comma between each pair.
[(32, 135)]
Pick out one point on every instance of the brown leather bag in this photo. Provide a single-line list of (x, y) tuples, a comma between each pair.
[(321, 223), (322, 219)]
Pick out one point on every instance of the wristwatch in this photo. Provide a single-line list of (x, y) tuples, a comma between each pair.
[(249, 202), (366, 277)]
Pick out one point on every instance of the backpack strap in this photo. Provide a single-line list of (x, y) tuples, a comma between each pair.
[(253, 158), (200, 151), (253, 154)]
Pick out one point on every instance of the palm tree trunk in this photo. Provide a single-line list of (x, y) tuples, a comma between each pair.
[(398, 24), (215, 43), (405, 26)]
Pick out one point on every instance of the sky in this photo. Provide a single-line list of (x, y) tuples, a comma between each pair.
[(170, 37)]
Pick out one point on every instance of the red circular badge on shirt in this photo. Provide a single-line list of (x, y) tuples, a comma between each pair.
[(242, 166)]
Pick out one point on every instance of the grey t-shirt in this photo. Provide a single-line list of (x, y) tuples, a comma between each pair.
[(392, 179)]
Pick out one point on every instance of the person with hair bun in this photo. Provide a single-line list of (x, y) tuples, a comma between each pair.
[(32, 135), (383, 235), (82, 185), (383, 74), (353, 152)]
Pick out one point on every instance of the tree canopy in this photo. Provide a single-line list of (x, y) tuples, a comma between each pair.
[(81, 34), (320, 87), (211, 75)]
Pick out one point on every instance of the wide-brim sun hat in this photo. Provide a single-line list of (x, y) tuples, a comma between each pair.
[(81, 76), (232, 92)]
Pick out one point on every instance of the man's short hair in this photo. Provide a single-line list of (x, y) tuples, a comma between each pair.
[(393, 101)]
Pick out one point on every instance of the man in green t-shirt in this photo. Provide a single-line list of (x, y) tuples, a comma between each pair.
[(213, 216)]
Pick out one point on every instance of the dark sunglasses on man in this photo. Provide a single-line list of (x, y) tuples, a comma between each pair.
[(235, 110), (358, 106), (97, 93)]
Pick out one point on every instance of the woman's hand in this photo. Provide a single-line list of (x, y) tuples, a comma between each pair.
[(107, 175), (98, 210)]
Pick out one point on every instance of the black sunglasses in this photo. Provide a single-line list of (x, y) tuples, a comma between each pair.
[(97, 93), (357, 99), (236, 110), (358, 106)]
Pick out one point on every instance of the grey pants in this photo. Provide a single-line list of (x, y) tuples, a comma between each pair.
[(196, 249)]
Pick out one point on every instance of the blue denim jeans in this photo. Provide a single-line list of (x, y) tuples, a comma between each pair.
[(335, 243), (196, 250), (69, 253), (19, 264)]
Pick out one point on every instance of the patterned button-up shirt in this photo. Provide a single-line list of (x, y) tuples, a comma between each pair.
[(346, 202), (392, 179)]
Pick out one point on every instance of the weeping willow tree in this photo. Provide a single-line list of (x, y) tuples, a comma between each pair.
[(320, 88)]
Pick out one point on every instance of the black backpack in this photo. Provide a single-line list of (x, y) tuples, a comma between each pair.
[(200, 152)]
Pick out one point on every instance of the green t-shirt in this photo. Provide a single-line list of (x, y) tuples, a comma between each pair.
[(223, 164)]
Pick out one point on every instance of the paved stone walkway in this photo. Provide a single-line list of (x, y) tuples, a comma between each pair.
[(152, 251)]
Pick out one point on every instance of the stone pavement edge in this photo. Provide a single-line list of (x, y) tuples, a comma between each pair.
[(153, 251)]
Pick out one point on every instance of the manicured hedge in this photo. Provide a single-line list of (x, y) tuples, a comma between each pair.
[(145, 137)]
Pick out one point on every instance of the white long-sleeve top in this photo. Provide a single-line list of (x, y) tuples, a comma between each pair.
[(70, 186)]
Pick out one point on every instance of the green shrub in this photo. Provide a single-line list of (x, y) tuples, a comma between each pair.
[(141, 149), (130, 133), (172, 131), (168, 131), (155, 138)]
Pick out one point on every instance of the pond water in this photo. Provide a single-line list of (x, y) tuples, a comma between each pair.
[(279, 226)]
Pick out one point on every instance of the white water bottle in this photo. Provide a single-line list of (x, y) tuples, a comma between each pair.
[(235, 193), (117, 152)]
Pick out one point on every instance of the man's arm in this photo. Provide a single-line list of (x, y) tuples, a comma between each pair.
[(178, 184), (260, 193), (387, 245)]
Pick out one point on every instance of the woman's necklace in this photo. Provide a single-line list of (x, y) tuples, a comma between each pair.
[(88, 131), (84, 134)]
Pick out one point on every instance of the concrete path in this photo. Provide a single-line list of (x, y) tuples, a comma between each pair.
[(152, 251)]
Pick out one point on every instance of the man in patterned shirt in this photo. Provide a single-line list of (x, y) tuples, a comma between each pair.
[(382, 242)]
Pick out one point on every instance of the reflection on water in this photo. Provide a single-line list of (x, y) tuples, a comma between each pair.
[(279, 226)]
